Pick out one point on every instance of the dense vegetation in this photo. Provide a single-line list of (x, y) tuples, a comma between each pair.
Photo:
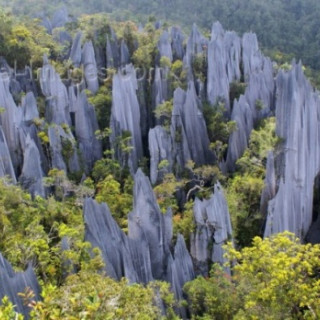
[(290, 27), (276, 278)]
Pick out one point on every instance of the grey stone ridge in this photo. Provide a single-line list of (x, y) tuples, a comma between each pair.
[(75, 53), (125, 117), (32, 174), (298, 162), (213, 230), (90, 67), (164, 46), (144, 254), (13, 283)]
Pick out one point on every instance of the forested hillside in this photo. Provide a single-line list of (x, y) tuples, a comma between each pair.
[(288, 27), (152, 171)]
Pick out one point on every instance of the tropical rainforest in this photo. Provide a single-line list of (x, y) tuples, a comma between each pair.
[(155, 165)]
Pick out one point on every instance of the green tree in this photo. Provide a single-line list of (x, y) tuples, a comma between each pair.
[(275, 278)]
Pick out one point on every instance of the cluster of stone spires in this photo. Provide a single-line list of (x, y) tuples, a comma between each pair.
[(148, 252)]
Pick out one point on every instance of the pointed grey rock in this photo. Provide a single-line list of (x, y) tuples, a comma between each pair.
[(63, 151), (75, 53), (188, 129), (143, 255), (217, 31), (60, 18), (177, 43), (196, 44), (256, 104), (32, 175), (147, 221), (125, 117), (85, 127), (239, 139), (270, 184), (57, 102), (180, 271), (252, 58), (112, 51), (13, 283), (90, 67), (160, 147), (224, 57), (11, 119), (124, 54), (298, 164), (6, 167), (160, 86), (164, 46), (213, 230), (103, 232), (29, 107)]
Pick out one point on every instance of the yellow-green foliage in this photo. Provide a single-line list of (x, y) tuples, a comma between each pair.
[(165, 192), (275, 278), (7, 311), (164, 112), (245, 187), (88, 295), (145, 55), (262, 140), (31, 230), (119, 201), (102, 102), (24, 41)]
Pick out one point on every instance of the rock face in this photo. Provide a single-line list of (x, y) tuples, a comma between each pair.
[(147, 221), (75, 53), (90, 67), (57, 102), (213, 229), (125, 117), (112, 51), (177, 38), (161, 149), (124, 54), (257, 101), (188, 129), (187, 139), (270, 184), (29, 107), (297, 115), (59, 19), (14, 282), (252, 58), (63, 149), (145, 253), (11, 119), (85, 127), (239, 139), (6, 167), (32, 175), (103, 232), (164, 46), (224, 57), (196, 44), (160, 92)]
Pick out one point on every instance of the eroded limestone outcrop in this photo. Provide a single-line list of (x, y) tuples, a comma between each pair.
[(213, 230), (298, 161), (125, 117), (13, 283), (145, 254)]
